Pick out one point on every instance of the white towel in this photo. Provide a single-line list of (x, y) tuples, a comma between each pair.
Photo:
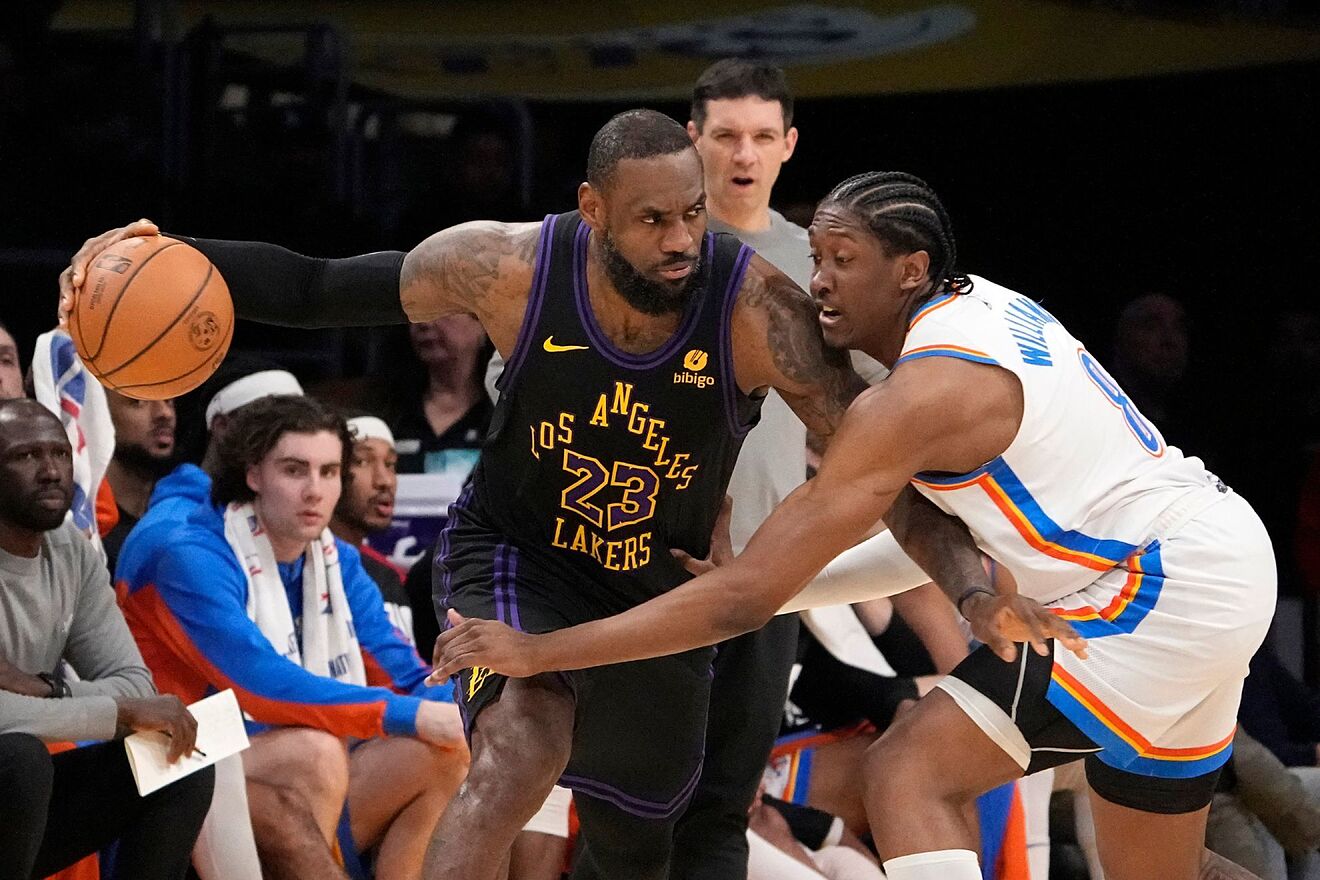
[(329, 644), (840, 632), (65, 387)]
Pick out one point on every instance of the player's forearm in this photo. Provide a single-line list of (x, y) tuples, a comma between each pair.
[(939, 543), (274, 285), (874, 568)]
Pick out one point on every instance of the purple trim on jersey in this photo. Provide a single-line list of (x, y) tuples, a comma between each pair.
[(532, 315), (506, 590), (442, 549), (498, 572), (599, 341), (730, 379), (630, 804), (511, 563)]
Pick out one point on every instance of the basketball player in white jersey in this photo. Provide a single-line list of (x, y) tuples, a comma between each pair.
[(1143, 584)]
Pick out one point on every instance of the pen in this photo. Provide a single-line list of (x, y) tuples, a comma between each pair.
[(194, 748)]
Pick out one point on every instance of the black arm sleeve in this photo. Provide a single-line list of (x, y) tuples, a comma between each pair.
[(274, 285)]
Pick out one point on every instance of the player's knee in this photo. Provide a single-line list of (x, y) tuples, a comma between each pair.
[(27, 768), (447, 767), (317, 764), (530, 727), (895, 764)]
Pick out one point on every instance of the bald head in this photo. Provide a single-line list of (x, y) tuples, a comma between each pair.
[(36, 467), (633, 134), (19, 412)]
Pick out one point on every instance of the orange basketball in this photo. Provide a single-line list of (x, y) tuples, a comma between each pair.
[(153, 319)]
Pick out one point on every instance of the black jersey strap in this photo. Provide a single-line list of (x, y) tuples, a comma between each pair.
[(274, 285)]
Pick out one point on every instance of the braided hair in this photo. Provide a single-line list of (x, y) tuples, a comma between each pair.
[(905, 214)]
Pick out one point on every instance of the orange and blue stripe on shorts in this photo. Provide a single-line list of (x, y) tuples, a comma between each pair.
[(1124, 747), (1020, 508), (1125, 611)]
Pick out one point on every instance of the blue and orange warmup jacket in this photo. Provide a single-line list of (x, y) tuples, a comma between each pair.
[(185, 598)]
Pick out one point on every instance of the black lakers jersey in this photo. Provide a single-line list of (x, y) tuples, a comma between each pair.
[(600, 461)]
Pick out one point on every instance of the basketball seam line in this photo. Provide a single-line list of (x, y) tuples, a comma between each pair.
[(206, 360), (172, 324), (105, 330)]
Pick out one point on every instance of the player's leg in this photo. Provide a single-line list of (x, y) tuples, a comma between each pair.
[(1149, 826), (297, 778), (746, 705), (637, 757), (520, 745), (617, 845), (397, 789), (920, 778)]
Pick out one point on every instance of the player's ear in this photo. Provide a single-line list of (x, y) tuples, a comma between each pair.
[(253, 478), (915, 270), (790, 142), (591, 206), (693, 131)]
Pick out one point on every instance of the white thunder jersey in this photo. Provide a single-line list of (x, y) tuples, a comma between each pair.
[(1079, 488), (1167, 573)]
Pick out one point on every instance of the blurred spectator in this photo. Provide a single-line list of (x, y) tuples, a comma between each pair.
[(11, 370), (367, 506), (188, 486), (1279, 431), (1152, 348), (254, 593), (417, 585), (144, 452), (811, 837), (1281, 712), (436, 403), (479, 181), (56, 608), (1264, 817), (1308, 528)]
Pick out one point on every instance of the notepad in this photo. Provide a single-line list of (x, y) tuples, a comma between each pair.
[(220, 733)]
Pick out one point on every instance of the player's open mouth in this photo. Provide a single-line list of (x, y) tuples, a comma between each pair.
[(743, 181), (384, 508)]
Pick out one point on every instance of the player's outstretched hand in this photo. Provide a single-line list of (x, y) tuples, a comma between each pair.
[(469, 643), (1001, 621), (721, 544), (71, 279)]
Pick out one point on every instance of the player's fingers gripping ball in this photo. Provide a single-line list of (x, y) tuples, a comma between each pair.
[(153, 318)]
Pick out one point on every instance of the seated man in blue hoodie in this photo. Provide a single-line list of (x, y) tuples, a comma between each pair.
[(221, 605)]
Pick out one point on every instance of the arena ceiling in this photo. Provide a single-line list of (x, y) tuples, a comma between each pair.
[(597, 49)]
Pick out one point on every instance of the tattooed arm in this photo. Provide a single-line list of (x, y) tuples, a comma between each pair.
[(933, 414), (483, 269), (777, 344)]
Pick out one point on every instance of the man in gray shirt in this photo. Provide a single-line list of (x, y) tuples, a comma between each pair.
[(742, 125), (57, 609)]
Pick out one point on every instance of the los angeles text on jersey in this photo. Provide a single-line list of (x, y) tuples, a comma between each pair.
[(607, 504)]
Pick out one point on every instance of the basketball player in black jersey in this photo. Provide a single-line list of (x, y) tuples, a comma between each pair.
[(638, 346)]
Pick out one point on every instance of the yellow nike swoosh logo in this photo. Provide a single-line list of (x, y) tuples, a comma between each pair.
[(549, 345)]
